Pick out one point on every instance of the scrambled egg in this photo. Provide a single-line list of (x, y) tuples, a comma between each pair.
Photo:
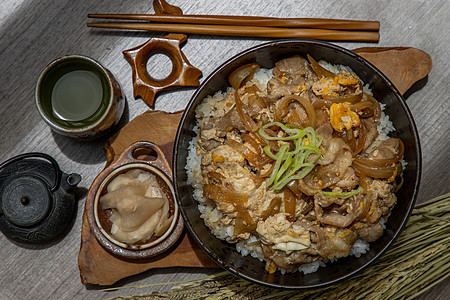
[(335, 85), (341, 116)]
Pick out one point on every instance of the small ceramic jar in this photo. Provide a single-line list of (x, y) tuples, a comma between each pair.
[(99, 217)]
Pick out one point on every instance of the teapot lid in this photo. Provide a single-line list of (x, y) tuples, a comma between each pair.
[(30, 192), (26, 200)]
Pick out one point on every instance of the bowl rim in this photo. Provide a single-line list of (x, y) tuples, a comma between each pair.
[(387, 82)]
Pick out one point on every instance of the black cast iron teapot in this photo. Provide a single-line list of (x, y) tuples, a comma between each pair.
[(37, 202)]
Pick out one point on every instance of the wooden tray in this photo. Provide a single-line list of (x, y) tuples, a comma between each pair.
[(403, 66)]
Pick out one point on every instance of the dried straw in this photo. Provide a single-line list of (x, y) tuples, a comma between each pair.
[(417, 261)]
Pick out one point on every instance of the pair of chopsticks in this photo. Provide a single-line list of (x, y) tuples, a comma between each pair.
[(266, 27)]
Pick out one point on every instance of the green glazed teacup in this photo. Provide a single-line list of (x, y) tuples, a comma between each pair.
[(78, 97)]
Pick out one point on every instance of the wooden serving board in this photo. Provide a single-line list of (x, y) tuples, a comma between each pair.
[(403, 66)]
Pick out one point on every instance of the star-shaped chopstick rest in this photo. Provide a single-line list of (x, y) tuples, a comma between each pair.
[(161, 7), (183, 73)]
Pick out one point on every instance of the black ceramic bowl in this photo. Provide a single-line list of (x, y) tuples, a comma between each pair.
[(266, 55)]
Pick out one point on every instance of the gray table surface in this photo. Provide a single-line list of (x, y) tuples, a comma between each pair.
[(33, 33)]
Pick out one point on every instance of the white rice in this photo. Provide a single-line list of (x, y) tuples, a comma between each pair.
[(335, 68), (263, 76), (218, 105), (359, 248), (385, 127)]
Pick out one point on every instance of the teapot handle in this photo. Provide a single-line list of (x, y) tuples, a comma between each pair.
[(41, 155)]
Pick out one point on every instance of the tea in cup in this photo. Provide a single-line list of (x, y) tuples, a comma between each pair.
[(78, 97)]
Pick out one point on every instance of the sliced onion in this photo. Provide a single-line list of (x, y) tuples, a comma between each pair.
[(364, 109), (272, 143), (252, 157), (255, 140), (352, 97), (318, 69), (320, 238), (349, 136), (242, 74), (307, 207), (224, 195), (282, 109), (319, 104), (375, 169), (290, 202), (272, 209), (384, 162), (302, 186), (398, 185), (264, 160), (258, 160), (398, 156), (258, 138), (217, 177), (268, 172), (248, 122), (376, 106), (244, 222), (250, 138), (370, 162), (364, 207), (293, 186), (361, 138), (364, 184), (257, 180)]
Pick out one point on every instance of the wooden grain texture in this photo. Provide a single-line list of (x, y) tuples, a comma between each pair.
[(248, 21), (153, 125), (183, 73), (98, 266), (247, 31), (402, 65), (33, 33)]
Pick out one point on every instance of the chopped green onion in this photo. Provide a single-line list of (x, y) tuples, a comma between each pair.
[(293, 133), (342, 195), (295, 164), (306, 168), (269, 153), (277, 164), (283, 168)]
